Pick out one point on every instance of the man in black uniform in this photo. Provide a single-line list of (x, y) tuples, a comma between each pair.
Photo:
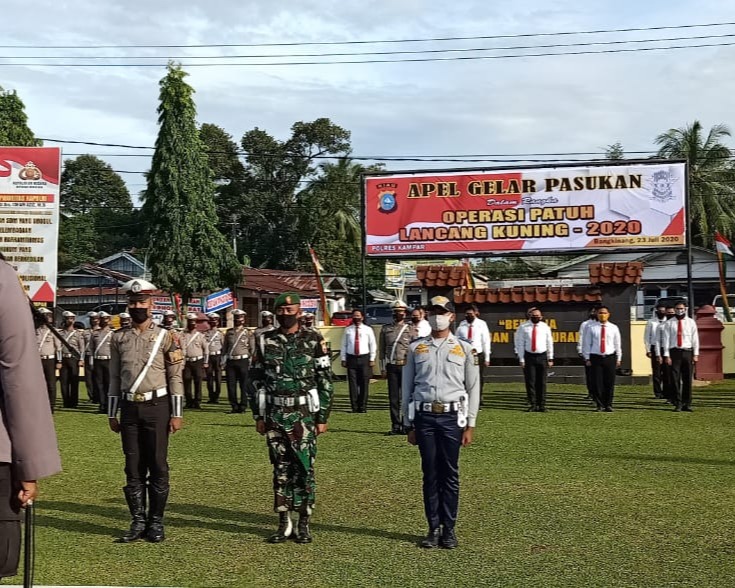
[(145, 382)]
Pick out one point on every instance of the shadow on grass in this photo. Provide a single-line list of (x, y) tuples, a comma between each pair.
[(670, 459), (178, 515)]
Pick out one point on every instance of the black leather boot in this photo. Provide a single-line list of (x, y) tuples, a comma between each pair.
[(158, 499), (135, 497), (432, 539), (285, 528), (303, 535), (448, 539)]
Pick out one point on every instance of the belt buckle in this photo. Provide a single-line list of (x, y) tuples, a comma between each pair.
[(437, 407), (138, 396)]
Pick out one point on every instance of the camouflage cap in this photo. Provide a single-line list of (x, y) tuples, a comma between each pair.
[(441, 302), (287, 298)]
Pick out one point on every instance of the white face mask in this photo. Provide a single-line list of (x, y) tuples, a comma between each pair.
[(440, 322)]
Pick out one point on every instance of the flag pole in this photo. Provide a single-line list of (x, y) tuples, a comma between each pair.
[(320, 285)]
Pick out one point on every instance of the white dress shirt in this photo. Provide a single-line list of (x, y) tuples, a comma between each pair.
[(689, 335), (367, 341), (650, 335), (613, 344), (480, 335), (580, 335), (523, 340)]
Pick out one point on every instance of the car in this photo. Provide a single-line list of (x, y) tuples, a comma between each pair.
[(378, 314), (341, 318), (720, 310)]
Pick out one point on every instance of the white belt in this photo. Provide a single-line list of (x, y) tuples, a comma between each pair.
[(437, 407), (239, 356), (194, 358), (287, 400), (102, 357), (68, 355), (145, 396), (218, 353), (48, 357)]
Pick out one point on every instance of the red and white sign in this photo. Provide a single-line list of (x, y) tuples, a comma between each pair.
[(29, 216), (634, 205)]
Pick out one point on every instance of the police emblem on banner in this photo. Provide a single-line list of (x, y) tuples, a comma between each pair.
[(387, 200), (661, 189), (30, 172)]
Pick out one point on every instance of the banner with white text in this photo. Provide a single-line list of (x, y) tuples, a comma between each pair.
[(29, 216), (548, 210)]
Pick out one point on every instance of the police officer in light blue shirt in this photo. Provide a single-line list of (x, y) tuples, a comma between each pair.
[(441, 396)]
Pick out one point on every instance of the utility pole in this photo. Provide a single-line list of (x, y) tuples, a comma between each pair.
[(234, 224)]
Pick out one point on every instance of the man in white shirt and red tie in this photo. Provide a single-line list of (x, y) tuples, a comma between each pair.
[(681, 352), (475, 330), (357, 353), (651, 338), (603, 352), (534, 347)]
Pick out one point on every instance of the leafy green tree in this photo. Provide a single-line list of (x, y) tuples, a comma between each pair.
[(186, 250), (14, 129), (615, 151), (89, 184), (78, 241), (711, 177)]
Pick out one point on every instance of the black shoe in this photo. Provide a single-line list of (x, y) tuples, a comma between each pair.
[(599, 409), (687, 409), (448, 539), (135, 497), (608, 409), (158, 499), (541, 409), (212, 402), (677, 409), (285, 528), (431, 540), (303, 535), (531, 409)]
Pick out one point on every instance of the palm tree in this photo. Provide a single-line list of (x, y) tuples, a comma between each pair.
[(711, 177)]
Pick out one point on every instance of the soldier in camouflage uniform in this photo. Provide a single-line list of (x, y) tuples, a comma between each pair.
[(292, 380)]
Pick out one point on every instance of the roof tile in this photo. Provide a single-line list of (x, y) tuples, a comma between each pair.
[(441, 276), (616, 273), (534, 295)]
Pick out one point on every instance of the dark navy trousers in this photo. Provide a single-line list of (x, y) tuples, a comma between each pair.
[(439, 439)]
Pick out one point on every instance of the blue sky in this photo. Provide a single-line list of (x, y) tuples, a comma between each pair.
[(550, 104)]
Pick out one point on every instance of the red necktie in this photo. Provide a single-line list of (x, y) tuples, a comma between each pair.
[(679, 334), (357, 340), (602, 340), (469, 333), (533, 339)]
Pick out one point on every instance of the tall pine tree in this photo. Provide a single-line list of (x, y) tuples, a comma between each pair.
[(186, 251)]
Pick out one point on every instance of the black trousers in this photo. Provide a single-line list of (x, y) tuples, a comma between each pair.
[(667, 383), (682, 373), (144, 434), (49, 372), (193, 374), (9, 522), (534, 373), (102, 380), (657, 374), (214, 378), (589, 381), (394, 374), (237, 375), (481, 366), (90, 381), (439, 439), (358, 379), (603, 372), (69, 377)]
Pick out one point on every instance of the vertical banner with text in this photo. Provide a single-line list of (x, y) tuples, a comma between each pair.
[(29, 216)]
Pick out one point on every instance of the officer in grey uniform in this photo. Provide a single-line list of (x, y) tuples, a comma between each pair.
[(146, 386), (101, 339), (169, 320), (441, 397), (237, 351), (70, 361), (194, 346), (392, 350), (49, 348), (214, 349), (94, 324)]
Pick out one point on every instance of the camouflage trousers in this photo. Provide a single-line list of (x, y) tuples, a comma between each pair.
[(292, 454)]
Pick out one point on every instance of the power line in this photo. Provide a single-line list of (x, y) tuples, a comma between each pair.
[(366, 61), (371, 42), (358, 53)]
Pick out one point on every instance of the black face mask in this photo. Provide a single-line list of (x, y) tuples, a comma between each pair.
[(415, 320), (138, 315), (535, 319), (399, 318), (287, 321), (356, 321), (470, 318), (239, 322), (670, 316), (660, 314)]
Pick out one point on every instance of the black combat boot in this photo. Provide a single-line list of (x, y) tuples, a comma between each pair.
[(303, 535), (135, 497), (432, 539), (448, 539), (285, 528), (158, 500)]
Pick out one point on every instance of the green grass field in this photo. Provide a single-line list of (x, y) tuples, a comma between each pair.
[(640, 497)]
